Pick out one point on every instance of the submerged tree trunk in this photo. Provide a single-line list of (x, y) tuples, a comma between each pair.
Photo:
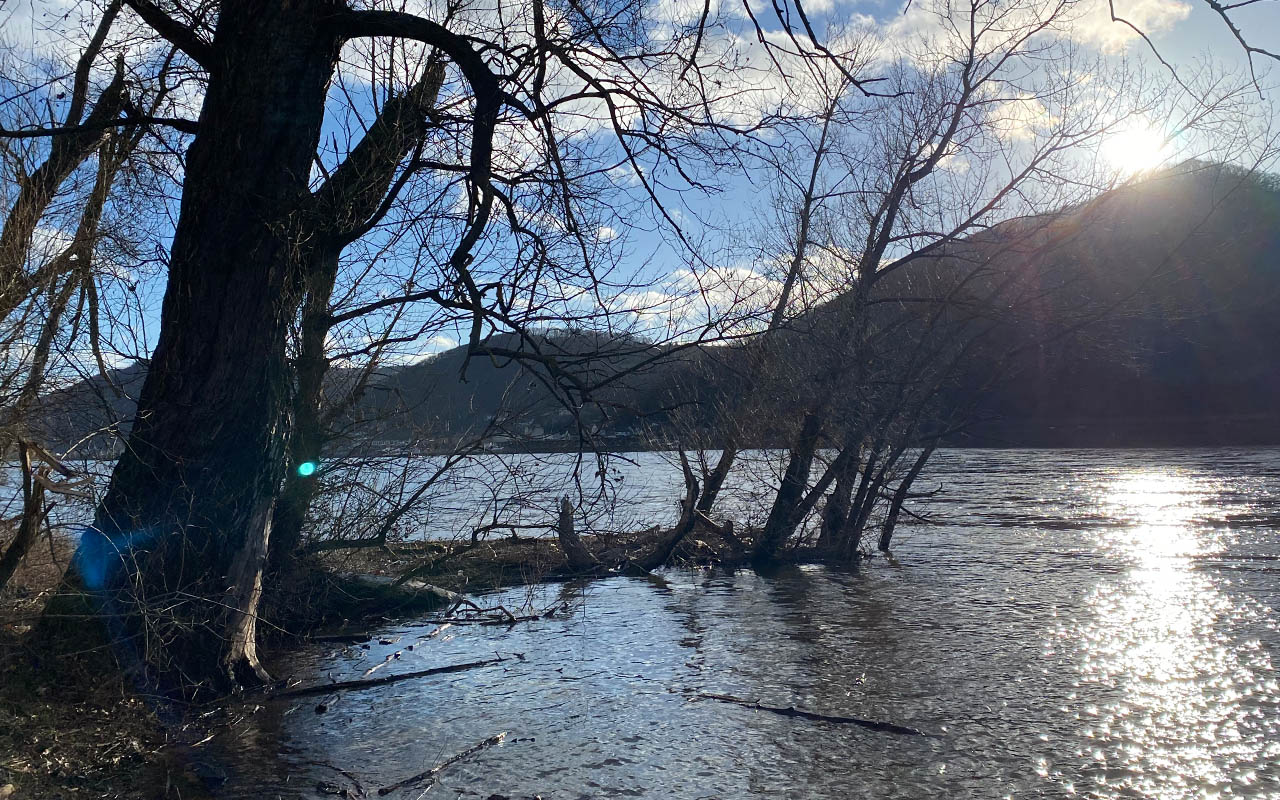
[(783, 517), (900, 496), (178, 544), (836, 512), (847, 534)]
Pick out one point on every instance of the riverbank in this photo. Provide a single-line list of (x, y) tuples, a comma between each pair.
[(489, 564)]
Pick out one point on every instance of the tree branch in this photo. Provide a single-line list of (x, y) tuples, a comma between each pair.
[(352, 195), (184, 38)]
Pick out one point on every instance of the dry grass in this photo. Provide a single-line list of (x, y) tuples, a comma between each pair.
[(69, 729)]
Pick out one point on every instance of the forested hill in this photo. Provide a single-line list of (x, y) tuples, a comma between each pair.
[(1185, 268), (1162, 327)]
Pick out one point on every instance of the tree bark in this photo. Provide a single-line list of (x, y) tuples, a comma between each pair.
[(32, 516), (307, 436), (783, 518), (178, 544)]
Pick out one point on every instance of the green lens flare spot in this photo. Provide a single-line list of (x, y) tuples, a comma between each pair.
[(307, 468)]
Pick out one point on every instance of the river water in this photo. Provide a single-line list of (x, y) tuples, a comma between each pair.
[(1077, 623)]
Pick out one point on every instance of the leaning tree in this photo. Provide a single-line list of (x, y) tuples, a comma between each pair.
[(518, 114)]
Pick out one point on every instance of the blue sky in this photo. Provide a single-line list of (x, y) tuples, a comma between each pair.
[(1187, 33)]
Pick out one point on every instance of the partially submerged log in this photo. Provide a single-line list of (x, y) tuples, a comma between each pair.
[(365, 683), (792, 711), (430, 775)]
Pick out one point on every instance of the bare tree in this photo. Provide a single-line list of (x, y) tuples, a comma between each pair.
[(484, 116)]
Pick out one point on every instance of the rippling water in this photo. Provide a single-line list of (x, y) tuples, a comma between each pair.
[(1091, 623)]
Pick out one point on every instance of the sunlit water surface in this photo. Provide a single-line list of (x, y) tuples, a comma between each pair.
[(1090, 623)]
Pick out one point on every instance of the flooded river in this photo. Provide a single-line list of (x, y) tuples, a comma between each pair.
[(1091, 623)]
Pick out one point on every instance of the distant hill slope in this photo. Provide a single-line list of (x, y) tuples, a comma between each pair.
[(1186, 263), (1190, 261)]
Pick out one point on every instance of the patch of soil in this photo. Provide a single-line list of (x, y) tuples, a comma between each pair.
[(66, 733)]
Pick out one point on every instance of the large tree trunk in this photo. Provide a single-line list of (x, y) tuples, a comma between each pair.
[(178, 544)]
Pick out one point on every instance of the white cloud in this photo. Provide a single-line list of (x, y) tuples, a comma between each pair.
[(688, 302), (1095, 26), (49, 29), (1020, 118)]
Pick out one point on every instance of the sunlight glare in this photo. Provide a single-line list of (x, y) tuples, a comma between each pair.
[(1138, 148), (1159, 507)]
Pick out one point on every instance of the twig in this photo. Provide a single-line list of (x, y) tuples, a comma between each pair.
[(430, 775), (385, 679), (792, 711)]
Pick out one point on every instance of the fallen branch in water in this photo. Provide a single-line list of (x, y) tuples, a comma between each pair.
[(385, 679), (792, 711), (430, 775), (355, 782), (343, 638), (459, 601)]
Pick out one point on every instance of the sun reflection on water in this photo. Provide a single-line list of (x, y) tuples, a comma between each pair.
[(1187, 696)]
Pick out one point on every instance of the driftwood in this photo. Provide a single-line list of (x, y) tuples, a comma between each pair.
[(430, 775), (365, 683), (423, 587), (792, 711)]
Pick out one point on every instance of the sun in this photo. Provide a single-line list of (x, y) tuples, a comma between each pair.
[(1136, 148)]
